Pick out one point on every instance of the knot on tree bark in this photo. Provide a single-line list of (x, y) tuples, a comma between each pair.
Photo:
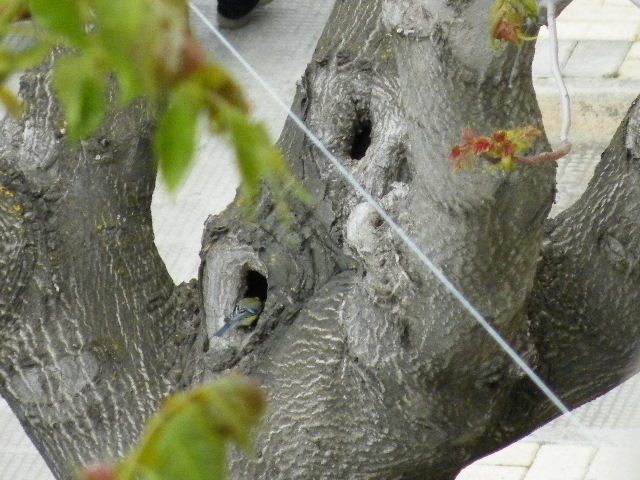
[(372, 241), (407, 18)]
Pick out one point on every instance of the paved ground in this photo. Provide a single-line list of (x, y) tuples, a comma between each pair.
[(601, 56)]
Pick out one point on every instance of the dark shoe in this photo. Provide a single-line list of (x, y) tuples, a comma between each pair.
[(235, 13)]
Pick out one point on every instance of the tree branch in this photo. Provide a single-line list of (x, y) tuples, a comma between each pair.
[(90, 335), (585, 302)]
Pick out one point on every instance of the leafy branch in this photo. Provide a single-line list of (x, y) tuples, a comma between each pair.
[(508, 19), (145, 48), (187, 438), (504, 148)]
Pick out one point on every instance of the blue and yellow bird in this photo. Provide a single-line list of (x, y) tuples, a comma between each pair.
[(245, 313)]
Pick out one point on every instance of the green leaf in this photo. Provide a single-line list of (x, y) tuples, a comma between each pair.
[(10, 102), (186, 440), (30, 57), (258, 159), (12, 61), (120, 20), (250, 147), (81, 88), (175, 137), (10, 10), (120, 26), (531, 8), (508, 19), (216, 79), (61, 16), (187, 449)]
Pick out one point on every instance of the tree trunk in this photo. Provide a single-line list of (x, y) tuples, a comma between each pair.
[(92, 327), (373, 370)]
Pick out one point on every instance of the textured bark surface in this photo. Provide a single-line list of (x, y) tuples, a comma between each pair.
[(380, 351), (372, 369), (586, 308), (92, 326)]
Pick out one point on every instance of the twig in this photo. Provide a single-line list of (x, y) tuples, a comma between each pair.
[(564, 149)]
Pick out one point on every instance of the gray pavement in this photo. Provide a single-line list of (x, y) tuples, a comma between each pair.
[(278, 43), (18, 457), (604, 69)]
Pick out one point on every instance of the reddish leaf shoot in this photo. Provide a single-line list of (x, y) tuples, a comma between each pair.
[(508, 19), (502, 148)]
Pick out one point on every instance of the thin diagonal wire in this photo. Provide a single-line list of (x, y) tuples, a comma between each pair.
[(435, 270)]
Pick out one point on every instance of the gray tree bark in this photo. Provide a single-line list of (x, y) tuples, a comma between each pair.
[(93, 332), (372, 369)]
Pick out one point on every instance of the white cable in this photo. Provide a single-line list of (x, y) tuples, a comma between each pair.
[(555, 69), (399, 231)]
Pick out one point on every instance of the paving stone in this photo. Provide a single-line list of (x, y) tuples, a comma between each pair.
[(583, 4), (615, 13), (561, 462), (619, 409), (622, 3), (541, 66), (581, 12), (19, 459), (568, 30), (491, 472), (630, 68), (615, 463), (634, 51), (573, 174), (519, 454), (592, 58), (23, 465), (620, 31)]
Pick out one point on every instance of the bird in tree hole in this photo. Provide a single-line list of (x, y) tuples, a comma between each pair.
[(245, 313)]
